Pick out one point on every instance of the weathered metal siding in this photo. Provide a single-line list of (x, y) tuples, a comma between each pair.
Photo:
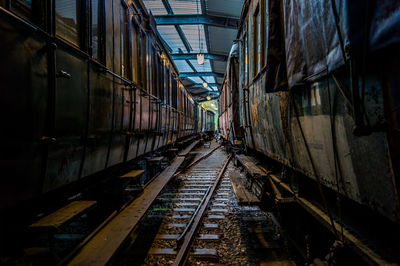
[(365, 173), (90, 120), (100, 121), (66, 153), (23, 107), (283, 125)]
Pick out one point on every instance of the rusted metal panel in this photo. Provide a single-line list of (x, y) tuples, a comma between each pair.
[(318, 118), (282, 140), (266, 120)]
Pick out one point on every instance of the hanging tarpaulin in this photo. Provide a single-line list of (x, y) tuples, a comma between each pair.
[(313, 46), (385, 25), (276, 63)]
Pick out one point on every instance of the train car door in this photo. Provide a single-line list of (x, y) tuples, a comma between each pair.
[(71, 98)]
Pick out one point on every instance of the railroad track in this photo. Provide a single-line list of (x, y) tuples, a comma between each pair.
[(196, 201), (194, 219)]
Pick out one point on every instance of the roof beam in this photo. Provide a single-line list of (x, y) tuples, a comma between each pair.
[(167, 6), (200, 85), (178, 29), (232, 23), (205, 100), (183, 38), (211, 56), (205, 92), (203, 6), (200, 74)]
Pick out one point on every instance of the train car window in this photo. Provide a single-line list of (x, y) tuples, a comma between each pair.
[(98, 30), (170, 87), (174, 92), (178, 103), (142, 56), (125, 65), (160, 77), (154, 71), (67, 20), (257, 41), (226, 98), (246, 61), (266, 23), (160, 72), (22, 8), (135, 53), (167, 86)]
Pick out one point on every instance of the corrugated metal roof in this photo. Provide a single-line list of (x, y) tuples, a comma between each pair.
[(219, 66), (222, 39), (156, 7), (180, 7), (171, 37), (196, 79), (225, 8), (183, 66), (206, 67), (215, 40), (196, 37), (209, 79)]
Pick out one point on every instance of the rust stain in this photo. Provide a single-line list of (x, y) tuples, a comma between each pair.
[(254, 112)]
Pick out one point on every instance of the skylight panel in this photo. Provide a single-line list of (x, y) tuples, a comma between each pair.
[(171, 37), (192, 34), (206, 67), (181, 7), (183, 66), (214, 88), (196, 80), (156, 7), (209, 79)]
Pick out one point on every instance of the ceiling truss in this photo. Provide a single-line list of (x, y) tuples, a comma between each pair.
[(231, 23), (188, 54)]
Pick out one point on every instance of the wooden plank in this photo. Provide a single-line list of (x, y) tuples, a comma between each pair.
[(156, 159), (162, 251), (186, 151), (167, 237), (211, 226), (205, 253), (133, 174), (243, 195), (216, 217), (100, 249), (208, 237), (251, 166), (63, 215)]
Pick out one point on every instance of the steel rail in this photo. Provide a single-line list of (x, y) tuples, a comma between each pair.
[(198, 160), (186, 238), (69, 259)]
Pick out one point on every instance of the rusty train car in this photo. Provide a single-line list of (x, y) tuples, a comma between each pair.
[(314, 87), (87, 85), (210, 124), (228, 108)]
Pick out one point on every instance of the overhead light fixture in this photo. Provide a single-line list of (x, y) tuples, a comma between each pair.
[(205, 84), (208, 98), (200, 59)]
